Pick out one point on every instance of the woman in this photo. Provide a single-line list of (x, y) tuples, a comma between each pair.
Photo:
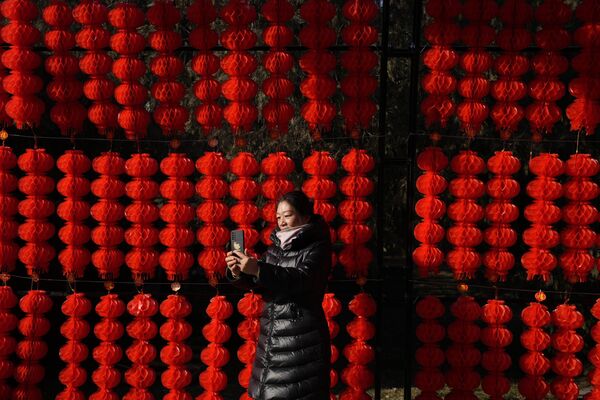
[(293, 354)]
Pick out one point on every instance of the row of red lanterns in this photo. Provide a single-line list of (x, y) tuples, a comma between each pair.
[(142, 235), (510, 65), (463, 357), (466, 211), (20, 87), (175, 354)]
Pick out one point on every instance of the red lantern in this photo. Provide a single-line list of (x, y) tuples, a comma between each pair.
[(212, 211), (177, 213), (533, 363), (206, 64), (96, 64), (440, 58), (24, 107), (567, 319), (9, 322), (463, 260), (354, 232), (317, 63), (583, 112), (244, 189), (74, 352), (107, 354), (429, 379), (319, 187), (546, 89), (577, 238), (31, 349), (36, 208), (176, 354), (278, 62), (8, 184), (276, 166), (142, 259), (357, 375), (141, 353), (332, 308), (169, 114), (542, 213), (108, 212), (510, 66), (477, 34), (358, 86), (462, 355), (594, 354), (496, 337), (250, 306), (65, 89), (499, 260), (428, 257), (240, 90), (213, 380), (126, 18), (74, 211)]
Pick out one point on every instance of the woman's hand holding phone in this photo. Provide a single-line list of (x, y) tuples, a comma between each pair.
[(238, 261)]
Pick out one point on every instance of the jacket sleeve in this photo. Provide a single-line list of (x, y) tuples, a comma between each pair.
[(299, 279), (243, 281)]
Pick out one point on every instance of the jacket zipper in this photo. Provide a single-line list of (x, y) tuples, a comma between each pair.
[(267, 353)]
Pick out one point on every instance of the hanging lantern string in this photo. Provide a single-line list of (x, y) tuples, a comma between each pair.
[(166, 141), (512, 139), (495, 288), (146, 283)]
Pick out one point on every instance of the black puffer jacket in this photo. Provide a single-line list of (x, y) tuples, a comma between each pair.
[(293, 353)]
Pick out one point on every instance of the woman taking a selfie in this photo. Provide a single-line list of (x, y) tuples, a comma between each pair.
[(293, 354)]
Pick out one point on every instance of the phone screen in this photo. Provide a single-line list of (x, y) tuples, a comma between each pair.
[(237, 240)]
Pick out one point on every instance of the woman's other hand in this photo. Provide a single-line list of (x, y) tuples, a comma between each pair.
[(233, 264), (248, 265)]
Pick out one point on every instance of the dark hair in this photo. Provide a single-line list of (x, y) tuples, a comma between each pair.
[(299, 201)]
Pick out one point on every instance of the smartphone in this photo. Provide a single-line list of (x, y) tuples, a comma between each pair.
[(236, 242)]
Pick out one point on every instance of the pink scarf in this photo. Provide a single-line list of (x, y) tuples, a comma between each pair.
[(286, 236)]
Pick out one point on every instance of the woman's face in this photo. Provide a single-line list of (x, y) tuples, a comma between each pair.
[(288, 217)]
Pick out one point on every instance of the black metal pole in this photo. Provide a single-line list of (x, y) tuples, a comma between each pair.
[(383, 81), (411, 147)]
